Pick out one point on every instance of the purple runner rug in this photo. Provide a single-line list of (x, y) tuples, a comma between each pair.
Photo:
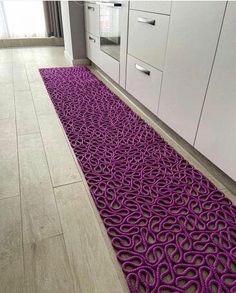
[(172, 230)]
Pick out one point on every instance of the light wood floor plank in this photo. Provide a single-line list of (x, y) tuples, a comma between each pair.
[(92, 267), (20, 78), (62, 165), (9, 174), (7, 107), (40, 217), (47, 268), (42, 101), (25, 114), (11, 252), (6, 74)]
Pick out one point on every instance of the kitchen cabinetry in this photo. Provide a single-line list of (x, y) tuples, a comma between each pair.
[(93, 48), (178, 59), (92, 18), (216, 137), (143, 82), (193, 35), (162, 7), (92, 24), (148, 37)]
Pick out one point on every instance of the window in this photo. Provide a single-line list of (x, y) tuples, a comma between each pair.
[(21, 19)]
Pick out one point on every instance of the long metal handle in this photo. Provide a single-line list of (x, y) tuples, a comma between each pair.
[(91, 8), (142, 69), (92, 39), (111, 4), (146, 20)]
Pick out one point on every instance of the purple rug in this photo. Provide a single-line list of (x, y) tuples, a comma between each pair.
[(172, 230)]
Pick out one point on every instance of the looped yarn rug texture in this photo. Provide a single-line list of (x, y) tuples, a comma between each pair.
[(172, 230)]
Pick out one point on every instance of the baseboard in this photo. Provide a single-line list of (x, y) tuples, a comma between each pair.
[(76, 62), (31, 42), (85, 61)]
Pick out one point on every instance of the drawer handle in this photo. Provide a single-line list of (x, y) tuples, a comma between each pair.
[(92, 39), (146, 20), (91, 8), (142, 69)]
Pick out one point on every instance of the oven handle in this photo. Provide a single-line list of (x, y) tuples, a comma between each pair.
[(110, 4)]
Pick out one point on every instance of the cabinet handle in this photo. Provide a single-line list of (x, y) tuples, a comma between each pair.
[(146, 20), (91, 8), (111, 4), (142, 69), (92, 39)]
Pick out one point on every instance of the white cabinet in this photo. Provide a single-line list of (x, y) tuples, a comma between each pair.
[(216, 137), (110, 66), (92, 18), (152, 6), (148, 37), (93, 48), (143, 82), (193, 33)]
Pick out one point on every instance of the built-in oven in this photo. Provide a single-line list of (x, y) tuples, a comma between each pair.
[(110, 19)]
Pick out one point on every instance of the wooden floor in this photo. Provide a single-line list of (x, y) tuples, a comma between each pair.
[(52, 239)]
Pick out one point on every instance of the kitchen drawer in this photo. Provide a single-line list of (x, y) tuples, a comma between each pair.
[(110, 66), (152, 6), (93, 48), (148, 37), (145, 87), (92, 18)]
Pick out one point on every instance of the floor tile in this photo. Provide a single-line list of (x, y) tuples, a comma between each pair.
[(7, 107), (61, 162), (20, 79), (6, 73), (25, 113), (9, 174), (47, 269), (92, 267), (11, 251), (39, 212), (42, 101)]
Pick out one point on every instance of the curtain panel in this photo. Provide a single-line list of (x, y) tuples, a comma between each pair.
[(53, 18)]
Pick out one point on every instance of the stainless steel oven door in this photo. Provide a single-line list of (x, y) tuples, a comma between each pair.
[(110, 13)]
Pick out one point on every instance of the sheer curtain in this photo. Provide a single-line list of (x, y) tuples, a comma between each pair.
[(22, 19)]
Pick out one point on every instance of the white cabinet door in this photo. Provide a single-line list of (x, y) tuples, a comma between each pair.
[(110, 66), (143, 82), (93, 48), (162, 7), (216, 137), (193, 33), (92, 18), (148, 37)]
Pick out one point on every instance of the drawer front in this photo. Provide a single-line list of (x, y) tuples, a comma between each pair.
[(92, 18), (148, 37), (143, 82), (110, 66), (93, 48), (152, 6)]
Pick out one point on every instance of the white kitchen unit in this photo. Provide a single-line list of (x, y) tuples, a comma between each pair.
[(162, 7), (144, 83), (92, 26), (193, 34), (216, 137), (148, 36), (92, 18), (178, 60), (93, 48)]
